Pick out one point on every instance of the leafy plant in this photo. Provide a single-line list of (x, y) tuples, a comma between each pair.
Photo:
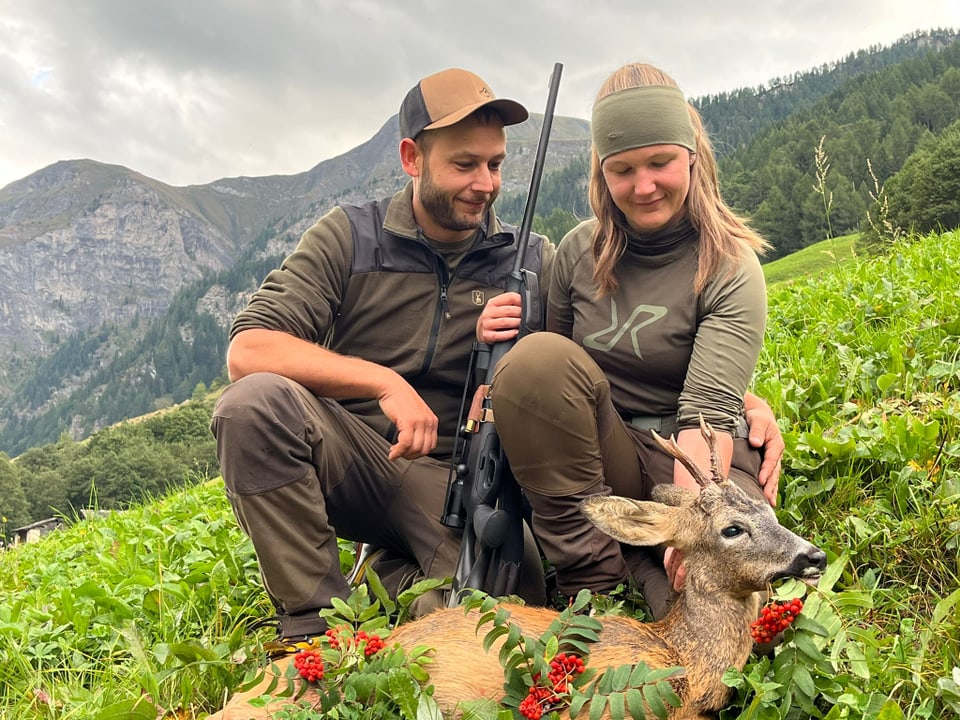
[(547, 675), (351, 673)]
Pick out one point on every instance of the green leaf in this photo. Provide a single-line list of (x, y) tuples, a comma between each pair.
[(616, 702), (833, 572), (343, 611), (808, 624), (552, 646), (807, 646), (137, 709), (668, 694), (851, 599), (858, 661), (605, 682), (419, 588), (639, 675), (405, 691), (621, 676), (597, 704), (803, 680), (372, 580), (576, 705), (890, 711), (580, 647), (588, 634), (663, 673), (943, 608), (493, 635), (427, 709), (635, 704), (886, 381), (651, 694), (579, 602), (510, 644)]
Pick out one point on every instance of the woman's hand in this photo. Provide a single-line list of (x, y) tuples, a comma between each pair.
[(765, 435)]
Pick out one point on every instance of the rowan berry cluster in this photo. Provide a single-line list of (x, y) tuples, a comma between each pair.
[(563, 669), (309, 665), (371, 643), (775, 617)]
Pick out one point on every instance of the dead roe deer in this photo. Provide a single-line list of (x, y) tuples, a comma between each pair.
[(733, 548)]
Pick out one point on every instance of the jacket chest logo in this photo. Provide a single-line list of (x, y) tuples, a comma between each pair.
[(478, 297)]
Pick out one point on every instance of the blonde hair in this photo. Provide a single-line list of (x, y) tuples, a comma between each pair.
[(723, 235)]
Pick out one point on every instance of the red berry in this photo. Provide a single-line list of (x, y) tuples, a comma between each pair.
[(309, 665), (530, 706), (774, 617)]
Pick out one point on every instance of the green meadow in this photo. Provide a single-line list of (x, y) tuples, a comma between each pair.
[(146, 612)]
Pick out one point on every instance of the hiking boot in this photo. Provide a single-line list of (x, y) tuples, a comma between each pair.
[(397, 574)]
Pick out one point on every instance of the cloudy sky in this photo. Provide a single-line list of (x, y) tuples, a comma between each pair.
[(189, 91)]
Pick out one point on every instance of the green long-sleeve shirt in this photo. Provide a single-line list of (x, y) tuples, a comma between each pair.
[(665, 349)]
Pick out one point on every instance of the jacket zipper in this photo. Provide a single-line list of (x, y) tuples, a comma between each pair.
[(442, 311)]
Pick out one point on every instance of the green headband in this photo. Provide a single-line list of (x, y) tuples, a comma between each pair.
[(641, 116)]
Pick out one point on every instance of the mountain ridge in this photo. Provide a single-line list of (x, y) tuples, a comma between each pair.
[(118, 289)]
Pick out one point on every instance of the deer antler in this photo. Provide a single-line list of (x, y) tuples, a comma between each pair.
[(671, 448)]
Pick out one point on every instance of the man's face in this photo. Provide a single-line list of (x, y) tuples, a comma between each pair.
[(459, 178)]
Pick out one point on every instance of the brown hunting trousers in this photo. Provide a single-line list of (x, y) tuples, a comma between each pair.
[(565, 441), (300, 471)]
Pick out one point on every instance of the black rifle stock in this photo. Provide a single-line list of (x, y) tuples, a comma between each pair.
[(482, 496)]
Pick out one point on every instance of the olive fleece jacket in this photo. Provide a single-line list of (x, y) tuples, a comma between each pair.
[(364, 281), (666, 350)]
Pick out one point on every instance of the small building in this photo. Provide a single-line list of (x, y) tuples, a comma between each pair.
[(34, 531)]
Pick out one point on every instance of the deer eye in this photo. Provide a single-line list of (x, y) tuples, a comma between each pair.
[(731, 531)]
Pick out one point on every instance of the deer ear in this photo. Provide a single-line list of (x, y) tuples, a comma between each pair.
[(635, 522), (670, 494)]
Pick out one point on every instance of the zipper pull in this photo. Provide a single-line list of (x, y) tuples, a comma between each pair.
[(443, 302)]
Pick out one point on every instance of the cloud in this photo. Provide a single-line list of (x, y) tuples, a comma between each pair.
[(188, 92)]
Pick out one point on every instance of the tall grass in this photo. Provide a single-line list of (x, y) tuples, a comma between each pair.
[(140, 609), (147, 612)]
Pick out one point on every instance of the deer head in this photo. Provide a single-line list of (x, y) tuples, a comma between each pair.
[(732, 543)]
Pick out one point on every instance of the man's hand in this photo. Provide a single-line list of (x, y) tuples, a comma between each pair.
[(765, 435), (500, 319), (416, 423)]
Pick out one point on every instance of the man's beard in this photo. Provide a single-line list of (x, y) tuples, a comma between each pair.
[(440, 206)]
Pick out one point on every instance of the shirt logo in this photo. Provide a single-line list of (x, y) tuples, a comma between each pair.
[(641, 316), (478, 297)]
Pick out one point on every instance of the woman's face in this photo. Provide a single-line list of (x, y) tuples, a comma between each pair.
[(649, 184)]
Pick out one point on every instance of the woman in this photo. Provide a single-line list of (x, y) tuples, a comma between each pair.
[(656, 314)]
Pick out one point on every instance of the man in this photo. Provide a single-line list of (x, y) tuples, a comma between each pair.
[(348, 364)]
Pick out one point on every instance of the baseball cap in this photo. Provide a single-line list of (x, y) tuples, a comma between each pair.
[(447, 97)]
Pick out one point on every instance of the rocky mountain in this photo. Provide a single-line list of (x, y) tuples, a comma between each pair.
[(89, 248)]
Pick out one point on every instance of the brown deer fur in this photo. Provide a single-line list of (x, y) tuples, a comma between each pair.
[(733, 548)]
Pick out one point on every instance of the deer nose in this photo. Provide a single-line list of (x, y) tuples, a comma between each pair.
[(817, 559), (810, 565)]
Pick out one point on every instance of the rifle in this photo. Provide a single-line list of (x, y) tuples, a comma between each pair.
[(482, 496)]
